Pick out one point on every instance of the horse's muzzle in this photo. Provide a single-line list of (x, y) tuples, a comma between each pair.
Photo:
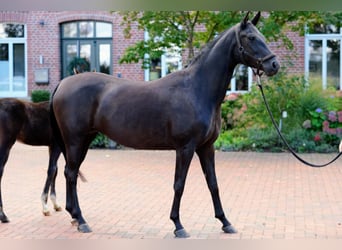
[(271, 67)]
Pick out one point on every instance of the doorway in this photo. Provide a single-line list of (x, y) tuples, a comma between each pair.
[(87, 40)]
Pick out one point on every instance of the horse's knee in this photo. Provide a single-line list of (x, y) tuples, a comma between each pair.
[(178, 189), (52, 171), (70, 175)]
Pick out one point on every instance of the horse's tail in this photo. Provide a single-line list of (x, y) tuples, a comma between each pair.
[(57, 136)]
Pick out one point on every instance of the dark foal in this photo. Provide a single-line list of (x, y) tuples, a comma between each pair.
[(28, 123), (180, 112)]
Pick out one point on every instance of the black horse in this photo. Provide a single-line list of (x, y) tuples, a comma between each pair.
[(28, 123), (178, 112)]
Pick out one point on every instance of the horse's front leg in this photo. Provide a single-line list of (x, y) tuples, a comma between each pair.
[(183, 159), (207, 158)]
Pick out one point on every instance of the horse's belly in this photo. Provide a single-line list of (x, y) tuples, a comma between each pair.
[(141, 140)]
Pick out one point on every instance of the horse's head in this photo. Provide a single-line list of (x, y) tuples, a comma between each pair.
[(253, 50)]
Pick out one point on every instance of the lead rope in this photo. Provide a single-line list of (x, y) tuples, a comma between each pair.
[(258, 74)]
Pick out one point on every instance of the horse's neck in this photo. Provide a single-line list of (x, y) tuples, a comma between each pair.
[(216, 68)]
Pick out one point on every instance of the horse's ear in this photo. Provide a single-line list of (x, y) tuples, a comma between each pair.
[(244, 21), (256, 18)]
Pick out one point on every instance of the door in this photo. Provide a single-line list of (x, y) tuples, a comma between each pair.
[(89, 42)]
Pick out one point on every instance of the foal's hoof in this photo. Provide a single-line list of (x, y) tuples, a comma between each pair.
[(84, 228), (181, 233), (74, 222), (229, 229), (46, 213), (58, 209)]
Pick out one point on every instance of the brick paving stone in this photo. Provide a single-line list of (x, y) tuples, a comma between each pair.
[(129, 195)]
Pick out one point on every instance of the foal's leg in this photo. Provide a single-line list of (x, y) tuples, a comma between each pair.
[(54, 153), (183, 159), (4, 152), (207, 158)]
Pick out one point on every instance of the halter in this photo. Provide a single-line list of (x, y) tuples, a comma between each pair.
[(244, 53)]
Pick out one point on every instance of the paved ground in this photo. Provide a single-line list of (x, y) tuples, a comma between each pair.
[(129, 195)]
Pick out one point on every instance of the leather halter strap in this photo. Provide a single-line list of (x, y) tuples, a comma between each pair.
[(244, 54)]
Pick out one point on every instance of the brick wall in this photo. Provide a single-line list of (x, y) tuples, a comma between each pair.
[(296, 56)]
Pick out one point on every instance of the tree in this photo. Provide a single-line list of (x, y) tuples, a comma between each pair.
[(170, 29), (189, 30)]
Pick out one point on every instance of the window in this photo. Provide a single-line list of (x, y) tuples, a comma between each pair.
[(13, 78), (87, 43), (169, 62), (241, 81), (323, 54)]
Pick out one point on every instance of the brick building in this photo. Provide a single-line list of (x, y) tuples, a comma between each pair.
[(42, 45), (37, 55)]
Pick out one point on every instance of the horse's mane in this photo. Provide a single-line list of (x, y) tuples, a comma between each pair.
[(207, 47)]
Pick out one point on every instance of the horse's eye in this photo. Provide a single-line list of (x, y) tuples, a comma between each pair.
[(251, 38)]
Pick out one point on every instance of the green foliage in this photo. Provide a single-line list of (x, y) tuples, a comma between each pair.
[(317, 119), (40, 95), (173, 29), (230, 112), (184, 29), (80, 64), (100, 141), (314, 122), (282, 93)]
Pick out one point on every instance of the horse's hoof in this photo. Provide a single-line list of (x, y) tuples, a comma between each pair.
[(181, 233), (4, 219), (229, 229), (84, 228), (46, 213)]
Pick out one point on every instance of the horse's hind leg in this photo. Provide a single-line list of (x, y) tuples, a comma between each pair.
[(207, 159), (75, 156), (54, 153), (183, 159)]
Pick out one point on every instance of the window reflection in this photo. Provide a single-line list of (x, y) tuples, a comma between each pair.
[(103, 29), (104, 58), (86, 29), (11, 30), (18, 67), (242, 78), (70, 30)]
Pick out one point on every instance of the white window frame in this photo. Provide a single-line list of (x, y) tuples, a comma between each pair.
[(11, 41), (233, 83), (323, 38)]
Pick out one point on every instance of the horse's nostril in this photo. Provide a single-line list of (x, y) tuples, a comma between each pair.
[(275, 65)]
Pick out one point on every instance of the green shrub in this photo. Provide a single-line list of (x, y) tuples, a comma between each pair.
[(265, 139), (313, 124), (40, 95), (100, 141)]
